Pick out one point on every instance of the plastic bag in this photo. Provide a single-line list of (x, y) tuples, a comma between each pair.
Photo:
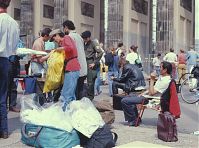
[(55, 72), (84, 116), (50, 115)]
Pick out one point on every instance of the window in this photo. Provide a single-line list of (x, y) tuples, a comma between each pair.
[(48, 11), (140, 6), (186, 4), (87, 9), (17, 14)]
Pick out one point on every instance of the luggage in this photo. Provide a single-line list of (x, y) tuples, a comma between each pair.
[(106, 111), (117, 101), (166, 127), (101, 138), (47, 137)]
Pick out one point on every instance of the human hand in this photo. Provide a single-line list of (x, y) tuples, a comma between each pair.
[(153, 75)]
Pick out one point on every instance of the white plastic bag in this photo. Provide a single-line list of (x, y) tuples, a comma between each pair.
[(52, 115), (84, 116)]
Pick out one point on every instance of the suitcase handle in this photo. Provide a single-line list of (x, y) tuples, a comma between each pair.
[(31, 136)]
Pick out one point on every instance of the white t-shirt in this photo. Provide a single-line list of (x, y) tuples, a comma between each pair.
[(162, 83), (170, 57), (156, 61), (131, 57)]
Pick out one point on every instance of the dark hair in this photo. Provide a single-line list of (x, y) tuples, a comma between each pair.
[(61, 34), (120, 45), (168, 66), (86, 34), (4, 3), (45, 31), (159, 54), (69, 24), (171, 50)]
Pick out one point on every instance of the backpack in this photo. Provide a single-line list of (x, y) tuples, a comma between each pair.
[(166, 127), (109, 59), (101, 138)]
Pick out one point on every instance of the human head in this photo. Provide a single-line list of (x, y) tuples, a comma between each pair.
[(4, 4), (171, 50), (165, 68), (86, 35), (120, 45), (158, 55), (68, 25), (182, 50), (134, 48), (45, 34), (56, 35)]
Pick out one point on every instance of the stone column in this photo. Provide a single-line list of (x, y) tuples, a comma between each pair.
[(197, 25)]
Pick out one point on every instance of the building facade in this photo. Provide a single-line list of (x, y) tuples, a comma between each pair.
[(174, 24), (34, 15)]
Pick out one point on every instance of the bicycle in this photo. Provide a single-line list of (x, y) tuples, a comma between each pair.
[(189, 88)]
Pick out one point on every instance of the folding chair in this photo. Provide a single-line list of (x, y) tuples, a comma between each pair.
[(168, 102)]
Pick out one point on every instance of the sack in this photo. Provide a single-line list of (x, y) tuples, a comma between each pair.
[(55, 72), (47, 137), (102, 138), (109, 59), (106, 111), (166, 127)]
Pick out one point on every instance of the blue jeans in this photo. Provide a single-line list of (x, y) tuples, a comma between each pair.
[(110, 81), (129, 107), (97, 83), (69, 88), (3, 93), (157, 70)]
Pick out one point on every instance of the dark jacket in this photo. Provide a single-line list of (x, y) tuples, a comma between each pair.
[(132, 77)]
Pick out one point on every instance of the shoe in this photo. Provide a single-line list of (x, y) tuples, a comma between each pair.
[(14, 109), (99, 92), (4, 135), (131, 123)]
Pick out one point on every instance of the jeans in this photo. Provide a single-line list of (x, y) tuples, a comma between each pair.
[(110, 81), (129, 107), (12, 92), (157, 70), (116, 85), (69, 88), (3, 93), (97, 83), (91, 76)]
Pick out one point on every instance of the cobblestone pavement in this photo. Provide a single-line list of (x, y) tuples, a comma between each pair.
[(145, 132)]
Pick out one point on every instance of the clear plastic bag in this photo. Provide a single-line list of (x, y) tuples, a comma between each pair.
[(84, 116), (50, 115)]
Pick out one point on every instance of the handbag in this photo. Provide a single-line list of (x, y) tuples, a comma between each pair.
[(166, 127), (48, 137), (138, 62)]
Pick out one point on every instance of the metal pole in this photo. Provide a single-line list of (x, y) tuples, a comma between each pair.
[(196, 25)]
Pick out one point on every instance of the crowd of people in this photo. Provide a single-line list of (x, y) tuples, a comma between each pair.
[(83, 58)]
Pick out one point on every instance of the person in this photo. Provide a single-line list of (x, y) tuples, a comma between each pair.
[(69, 29), (192, 57), (113, 70), (119, 49), (181, 64), (172, 58), (133, 55), (131, 78), (9, 37), (72, 65), (156, 64), (93, 55), (129, 102), (37, 65)]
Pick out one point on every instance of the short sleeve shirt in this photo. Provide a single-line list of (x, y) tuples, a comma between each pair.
[(162, 84)]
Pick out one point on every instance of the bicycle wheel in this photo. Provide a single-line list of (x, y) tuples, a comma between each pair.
[(189, 90)]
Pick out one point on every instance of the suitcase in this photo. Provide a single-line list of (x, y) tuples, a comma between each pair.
[(117, 101)]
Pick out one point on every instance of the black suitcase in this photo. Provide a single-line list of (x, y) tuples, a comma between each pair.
[(117, 101)]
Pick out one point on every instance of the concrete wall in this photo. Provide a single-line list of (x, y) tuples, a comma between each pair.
[(14, 4), (183, 27), (82, 22)]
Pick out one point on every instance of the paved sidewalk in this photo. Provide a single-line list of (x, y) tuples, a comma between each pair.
[(146, 132)]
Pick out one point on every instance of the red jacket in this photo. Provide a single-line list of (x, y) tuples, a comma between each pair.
[(71, 54)]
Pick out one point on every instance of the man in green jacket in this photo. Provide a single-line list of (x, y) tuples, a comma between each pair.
[(93, 55)]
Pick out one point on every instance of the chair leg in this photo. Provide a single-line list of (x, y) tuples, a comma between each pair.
[(140, 114)]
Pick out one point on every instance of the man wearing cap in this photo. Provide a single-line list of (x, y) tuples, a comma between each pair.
[(69, 29), (9, 38), (93, 55), (72, 65)]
